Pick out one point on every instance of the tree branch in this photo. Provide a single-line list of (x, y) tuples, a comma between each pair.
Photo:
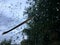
[(17, 26)]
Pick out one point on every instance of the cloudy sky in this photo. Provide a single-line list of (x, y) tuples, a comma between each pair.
[(11, 14)]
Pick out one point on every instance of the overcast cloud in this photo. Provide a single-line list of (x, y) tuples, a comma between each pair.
[(11, 14)]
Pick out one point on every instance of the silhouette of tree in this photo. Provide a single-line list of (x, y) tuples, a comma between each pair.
[(44, 27)]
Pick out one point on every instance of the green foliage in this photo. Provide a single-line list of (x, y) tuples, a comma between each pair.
[(44, 27), (6, 42)]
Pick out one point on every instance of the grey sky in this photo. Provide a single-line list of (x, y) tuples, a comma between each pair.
[(11, 14)]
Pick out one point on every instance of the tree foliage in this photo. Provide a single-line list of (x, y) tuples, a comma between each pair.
[(6, 42), (44, 27)]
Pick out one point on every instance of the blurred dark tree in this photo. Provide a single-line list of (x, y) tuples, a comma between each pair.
[(6, 42), (44, 27)]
